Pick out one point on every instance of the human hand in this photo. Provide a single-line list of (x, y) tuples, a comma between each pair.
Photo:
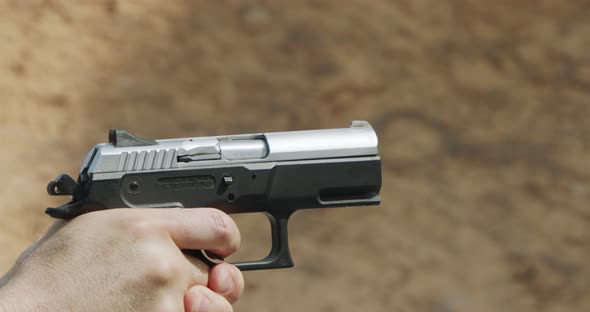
[(127, 260)]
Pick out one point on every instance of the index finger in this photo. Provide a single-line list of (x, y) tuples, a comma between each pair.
[(198, 228)]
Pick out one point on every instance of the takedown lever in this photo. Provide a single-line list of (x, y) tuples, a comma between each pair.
[(199, 149)]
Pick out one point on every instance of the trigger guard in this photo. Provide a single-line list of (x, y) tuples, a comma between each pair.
[(279, 256)]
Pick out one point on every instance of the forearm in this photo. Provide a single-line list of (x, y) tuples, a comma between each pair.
[(4, 301), (13, 301), (2, 309)]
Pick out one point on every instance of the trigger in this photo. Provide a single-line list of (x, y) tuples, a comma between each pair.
[(208, 257)]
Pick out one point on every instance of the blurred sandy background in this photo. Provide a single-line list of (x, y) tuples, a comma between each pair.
[(482, 107)]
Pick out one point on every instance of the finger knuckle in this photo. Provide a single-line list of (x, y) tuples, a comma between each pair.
[(214, 302), (235, 295), (139, 229), (225, 229), (225, 306), (162, 271), (237, 279), (169, 304), (232, 297)]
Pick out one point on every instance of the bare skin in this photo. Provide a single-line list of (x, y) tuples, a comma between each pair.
[(127, 260)]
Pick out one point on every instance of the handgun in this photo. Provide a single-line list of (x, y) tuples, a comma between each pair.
[(275, 173)]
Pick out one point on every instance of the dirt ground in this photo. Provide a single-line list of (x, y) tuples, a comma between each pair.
[(482, 110)]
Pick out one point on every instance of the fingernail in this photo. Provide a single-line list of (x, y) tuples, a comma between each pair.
[(201, 302), (226, 283)]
